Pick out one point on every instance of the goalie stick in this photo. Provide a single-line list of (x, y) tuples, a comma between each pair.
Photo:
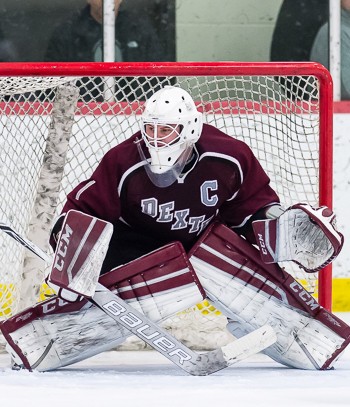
[(159, 339)]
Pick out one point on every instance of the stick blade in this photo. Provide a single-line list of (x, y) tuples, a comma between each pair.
[(249, 345), (236, 351)]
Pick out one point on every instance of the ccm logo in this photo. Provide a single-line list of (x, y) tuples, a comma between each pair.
[(304, 295), (262, 243), (130, 320), (62, 247), (52, 305)]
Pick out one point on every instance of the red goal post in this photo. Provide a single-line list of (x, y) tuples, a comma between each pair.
[(288, 105)]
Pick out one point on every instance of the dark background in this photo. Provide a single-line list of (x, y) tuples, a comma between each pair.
[(28, 25)]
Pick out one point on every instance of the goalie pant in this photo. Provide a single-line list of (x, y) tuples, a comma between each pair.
[(55, 333), (251, 294)]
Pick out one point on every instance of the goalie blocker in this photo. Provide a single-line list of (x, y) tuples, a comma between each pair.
[(252, 294), (79, 255)]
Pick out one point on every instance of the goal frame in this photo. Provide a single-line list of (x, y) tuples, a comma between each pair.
[(219, 68)]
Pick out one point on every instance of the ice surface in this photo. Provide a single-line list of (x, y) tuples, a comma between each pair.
[(146, 378)]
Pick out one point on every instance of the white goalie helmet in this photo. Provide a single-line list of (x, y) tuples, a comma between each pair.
[(170, 126)]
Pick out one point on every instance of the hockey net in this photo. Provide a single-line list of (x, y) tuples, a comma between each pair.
[(58, 120)]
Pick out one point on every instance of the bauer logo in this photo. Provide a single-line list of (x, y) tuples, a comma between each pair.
[(161, 341), (62, 247)]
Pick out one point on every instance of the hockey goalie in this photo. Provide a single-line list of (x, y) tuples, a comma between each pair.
[(192, 216)]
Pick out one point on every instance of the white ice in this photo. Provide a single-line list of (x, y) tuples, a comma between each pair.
[(146, 378)]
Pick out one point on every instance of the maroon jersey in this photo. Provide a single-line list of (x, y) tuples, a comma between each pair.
[(224, 182)]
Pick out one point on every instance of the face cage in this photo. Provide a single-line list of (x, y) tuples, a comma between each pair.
[(157, 143)]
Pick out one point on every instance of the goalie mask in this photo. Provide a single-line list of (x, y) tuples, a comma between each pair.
[(170, 126)]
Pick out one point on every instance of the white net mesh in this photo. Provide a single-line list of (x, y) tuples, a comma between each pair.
[(278, 116)]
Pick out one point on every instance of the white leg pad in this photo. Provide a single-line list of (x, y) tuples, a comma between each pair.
[(53, 342), (243, 291), (55, 333)]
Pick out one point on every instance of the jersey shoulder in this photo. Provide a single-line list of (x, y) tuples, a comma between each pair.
[(125, 154), (214, 141)]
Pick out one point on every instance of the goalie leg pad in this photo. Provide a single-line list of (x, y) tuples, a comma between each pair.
[(253, 294), (56, 333)]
